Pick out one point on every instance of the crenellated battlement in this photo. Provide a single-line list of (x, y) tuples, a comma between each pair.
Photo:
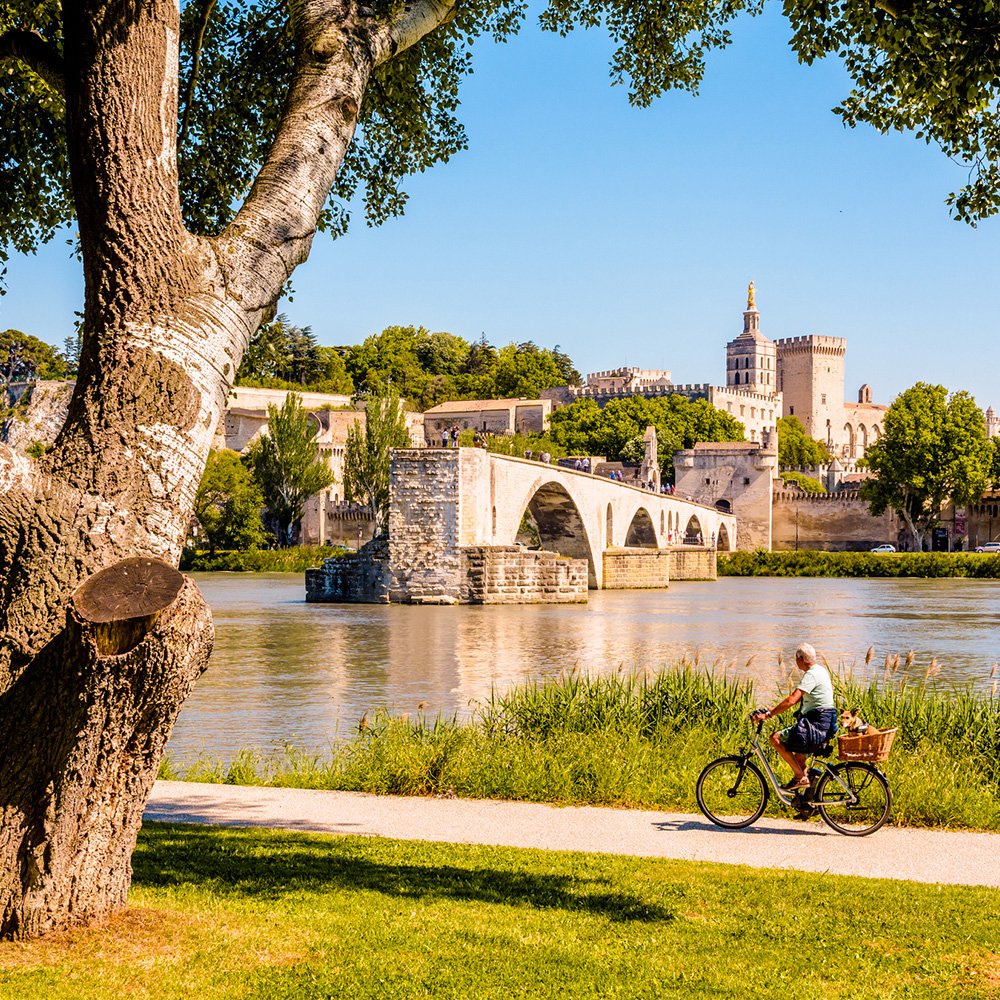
[(764, 398), (699, 387), (648, 373), (838, 496), (811, 342)]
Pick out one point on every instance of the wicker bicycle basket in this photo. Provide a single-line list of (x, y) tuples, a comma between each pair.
[(866, 747)]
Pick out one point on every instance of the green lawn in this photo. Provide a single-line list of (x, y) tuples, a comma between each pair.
[(222, 913)]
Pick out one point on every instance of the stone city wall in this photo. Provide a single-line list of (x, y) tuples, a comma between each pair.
[(509, 574), (834, 522), (636, 569)]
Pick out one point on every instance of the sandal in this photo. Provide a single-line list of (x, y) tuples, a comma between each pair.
[(796, 784)]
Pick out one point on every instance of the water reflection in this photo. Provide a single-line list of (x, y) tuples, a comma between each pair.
[(286, 671)]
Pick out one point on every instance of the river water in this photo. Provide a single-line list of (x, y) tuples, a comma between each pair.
[(284, 670)]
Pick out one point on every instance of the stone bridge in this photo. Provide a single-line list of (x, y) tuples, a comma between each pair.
[(448, 503)]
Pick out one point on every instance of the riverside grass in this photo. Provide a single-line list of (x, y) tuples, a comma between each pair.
[(296, 559), (926, 565), (640, 741), (219, 914)]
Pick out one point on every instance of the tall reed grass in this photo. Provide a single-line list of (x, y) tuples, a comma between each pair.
[(640, 740)]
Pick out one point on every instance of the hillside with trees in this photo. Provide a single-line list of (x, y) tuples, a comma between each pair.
[(421, 367)]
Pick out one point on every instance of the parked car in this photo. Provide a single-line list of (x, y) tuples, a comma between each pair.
[(988, 547), (884, 548)]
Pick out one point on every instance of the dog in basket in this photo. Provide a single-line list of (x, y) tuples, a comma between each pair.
[(853, 725)]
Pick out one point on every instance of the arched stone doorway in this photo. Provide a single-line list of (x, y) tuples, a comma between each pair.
[(556, 525), (641, 533)]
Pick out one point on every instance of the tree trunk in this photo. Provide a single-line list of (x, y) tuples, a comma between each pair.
[(105, 692), (98, 651)]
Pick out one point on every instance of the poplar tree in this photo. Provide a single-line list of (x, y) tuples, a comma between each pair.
[(287, 466)]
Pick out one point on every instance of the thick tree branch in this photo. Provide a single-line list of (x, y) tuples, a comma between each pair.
[(404, 31), (339, 45), (36, 53)]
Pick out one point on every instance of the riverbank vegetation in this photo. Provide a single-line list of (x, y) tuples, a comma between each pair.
[(641, 741), (974, 565), (239, 913), (296, 559)]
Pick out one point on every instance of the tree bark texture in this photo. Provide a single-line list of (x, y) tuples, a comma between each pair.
[(82, 733), (87, 704)]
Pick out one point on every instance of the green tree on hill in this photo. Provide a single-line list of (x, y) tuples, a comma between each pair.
[(796, 449), (286, 464), (281, 355), (933, 449), (24, 358), (807, 484), (428, 368), (993, 456), (584, 428)]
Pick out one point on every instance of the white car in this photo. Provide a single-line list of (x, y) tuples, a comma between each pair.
[(988, 547), (884, 548)]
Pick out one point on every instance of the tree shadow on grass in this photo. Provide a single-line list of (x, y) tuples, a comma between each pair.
[(271, 865)]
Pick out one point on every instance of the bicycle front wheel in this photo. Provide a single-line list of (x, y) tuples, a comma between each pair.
[(854, 798), (731, 792)]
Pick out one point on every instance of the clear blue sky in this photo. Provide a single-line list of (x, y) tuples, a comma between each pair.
[(628, 236)]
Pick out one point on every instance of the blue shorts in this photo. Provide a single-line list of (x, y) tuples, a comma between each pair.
[(811, 731)]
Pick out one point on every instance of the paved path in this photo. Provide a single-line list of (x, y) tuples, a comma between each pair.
[(918, 855)]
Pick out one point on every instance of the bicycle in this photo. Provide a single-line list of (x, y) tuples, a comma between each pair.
[(852, 797)]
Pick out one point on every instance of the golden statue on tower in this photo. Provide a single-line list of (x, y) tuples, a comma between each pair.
[(751, 300)]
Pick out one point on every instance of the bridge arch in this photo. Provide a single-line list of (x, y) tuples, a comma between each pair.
[(693, 532), (722, 542), (560, 526), (641, 533)]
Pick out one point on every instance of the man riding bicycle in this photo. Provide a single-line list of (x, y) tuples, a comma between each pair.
[(817, 718)]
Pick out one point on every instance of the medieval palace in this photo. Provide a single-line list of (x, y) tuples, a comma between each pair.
[(766, 379)]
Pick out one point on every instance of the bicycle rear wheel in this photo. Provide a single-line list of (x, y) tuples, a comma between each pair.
[(862, 809), (731, 792)]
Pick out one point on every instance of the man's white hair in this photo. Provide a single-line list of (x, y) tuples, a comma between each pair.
[(807, 653)]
